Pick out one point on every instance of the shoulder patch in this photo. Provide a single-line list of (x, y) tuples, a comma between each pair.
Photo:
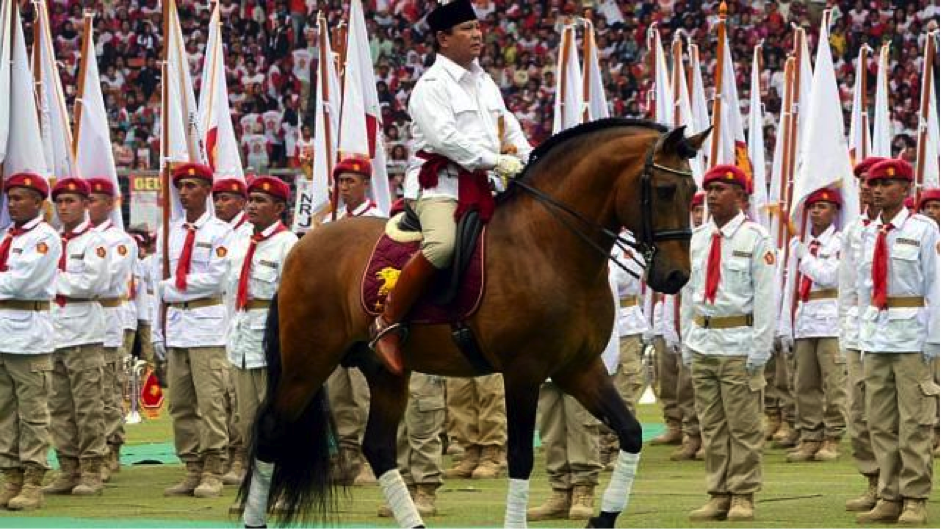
[(221, 251), (42, 248), (122, 250), (769, 257), (101, 252)]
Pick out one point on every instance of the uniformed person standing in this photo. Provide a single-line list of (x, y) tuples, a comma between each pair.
[(140, 294), (898, 333), (477, 407), (857, 423), (347, 387), (229, 196), (929, 204), (122, 255), (195, 333), (728, 327), (29, 258), (419, 443), (457, 111), (812, 326), (255, 266), (77, 423)]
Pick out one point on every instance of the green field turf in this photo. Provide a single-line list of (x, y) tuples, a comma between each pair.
[(794, 495)]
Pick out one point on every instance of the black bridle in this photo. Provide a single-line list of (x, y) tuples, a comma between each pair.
[(648, 236)]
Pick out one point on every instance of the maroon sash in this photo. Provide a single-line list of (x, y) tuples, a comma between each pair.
[(473, 187)]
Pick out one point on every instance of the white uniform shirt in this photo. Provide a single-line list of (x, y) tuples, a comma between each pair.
[(240, 225), (850, 257), (32, 266), (144, 289), (815, 318), (912, 271), (85, 277), (367, 209), (122, 254), (631, 319), (196, 327), (745, 287), (455, 113), (247, 327)]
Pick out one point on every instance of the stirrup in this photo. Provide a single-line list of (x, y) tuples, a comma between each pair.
[(381, 333)]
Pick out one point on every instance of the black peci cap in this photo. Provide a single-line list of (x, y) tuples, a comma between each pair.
[(446, 16)]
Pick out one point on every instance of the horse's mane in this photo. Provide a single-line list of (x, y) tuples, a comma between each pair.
[(578, 131)]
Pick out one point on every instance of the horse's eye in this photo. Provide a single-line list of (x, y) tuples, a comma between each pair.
[(666, 191)]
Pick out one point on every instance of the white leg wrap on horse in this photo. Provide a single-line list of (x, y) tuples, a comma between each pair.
[(396, 493), (256, 506), (517, 499), (618, 493)]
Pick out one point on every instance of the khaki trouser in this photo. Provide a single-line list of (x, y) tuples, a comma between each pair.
[(250, 385), (860, 442), (629, 378), (114, 378), (76, 418), (233, 421), (569, 437), (779, 395), (146, 345), (728, 401), (419, 436), (668, 364), (820, 388), (900, 405), (197, 381), (478, 410), (25, 385), (349, 402), (438, 228)]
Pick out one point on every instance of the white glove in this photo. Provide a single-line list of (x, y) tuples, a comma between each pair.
[(753, 367), (930, 352), (508, 165), (787, 344), (801, 250), (160, 351)]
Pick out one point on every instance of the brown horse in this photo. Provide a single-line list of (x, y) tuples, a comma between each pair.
[(546, 313)]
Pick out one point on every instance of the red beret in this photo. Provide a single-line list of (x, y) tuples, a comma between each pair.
[(230, 185), (28, 180), (270, 185), (891, 169), (825, 195), (698, 199), (728, 174), (864, 166), (191, 170), (927, 196), (360, 166), (75, 186), (102, 186)]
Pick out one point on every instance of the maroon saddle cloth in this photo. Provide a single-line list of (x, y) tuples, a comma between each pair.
[(386, 262)]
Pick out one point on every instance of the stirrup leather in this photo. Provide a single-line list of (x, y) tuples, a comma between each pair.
[(381, 333)]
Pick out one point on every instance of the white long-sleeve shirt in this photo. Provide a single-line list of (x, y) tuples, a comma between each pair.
[(194, 327), (122, 254), (848, 305), (631, 318), (912, 272), (32, 266), (746, 287), (455, 113), (815, 318), (85, 277)]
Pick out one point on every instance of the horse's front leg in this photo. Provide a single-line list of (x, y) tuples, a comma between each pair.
[(593, 388), (522, 398), (388, 395)]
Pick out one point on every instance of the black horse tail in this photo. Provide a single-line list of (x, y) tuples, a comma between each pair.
[(299, 446)]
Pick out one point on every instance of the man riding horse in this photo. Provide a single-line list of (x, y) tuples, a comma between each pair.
[(458, 118)]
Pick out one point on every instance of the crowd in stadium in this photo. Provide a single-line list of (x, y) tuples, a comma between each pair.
[(272, 43)]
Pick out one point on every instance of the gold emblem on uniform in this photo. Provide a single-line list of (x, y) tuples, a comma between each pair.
[(356, 167), (122, 250), (729, 175), (235, 187), (389, 277), (42, 248), (890, 171), (192, 171), (28, 181), (71, 186), (221, 251), (265, 186), (101, 252), (769, 257)]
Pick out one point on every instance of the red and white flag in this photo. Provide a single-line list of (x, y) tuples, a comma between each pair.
[(215, 116), (361, 124), (732, 146)]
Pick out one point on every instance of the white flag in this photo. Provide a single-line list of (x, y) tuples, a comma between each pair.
[(6, 46), (663, 91), (215, 116), (596, 99), (732, 146), (683, 112), (93, 150), (882, 123), (825, 161), (700, 108), (859, 140), (568, 111), (756, 146), (53, 113)]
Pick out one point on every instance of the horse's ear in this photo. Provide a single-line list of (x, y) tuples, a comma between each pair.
[(697, 140), (675, 142)]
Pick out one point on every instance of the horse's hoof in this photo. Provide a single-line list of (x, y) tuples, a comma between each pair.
[(604, 519), (256, 526)]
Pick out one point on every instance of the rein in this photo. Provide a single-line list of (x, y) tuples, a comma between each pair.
[(648, 235)]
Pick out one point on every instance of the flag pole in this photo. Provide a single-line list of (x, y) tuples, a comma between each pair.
[(864, 94), (588, 41), (787, 122), (677, 51), (567, 31), (717, 100), (82, 72), (342, 48), (926, 82)]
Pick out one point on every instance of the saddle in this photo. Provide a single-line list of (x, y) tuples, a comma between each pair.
[(455, 293)]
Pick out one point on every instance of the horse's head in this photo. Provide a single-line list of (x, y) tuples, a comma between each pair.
[(660, 220)]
